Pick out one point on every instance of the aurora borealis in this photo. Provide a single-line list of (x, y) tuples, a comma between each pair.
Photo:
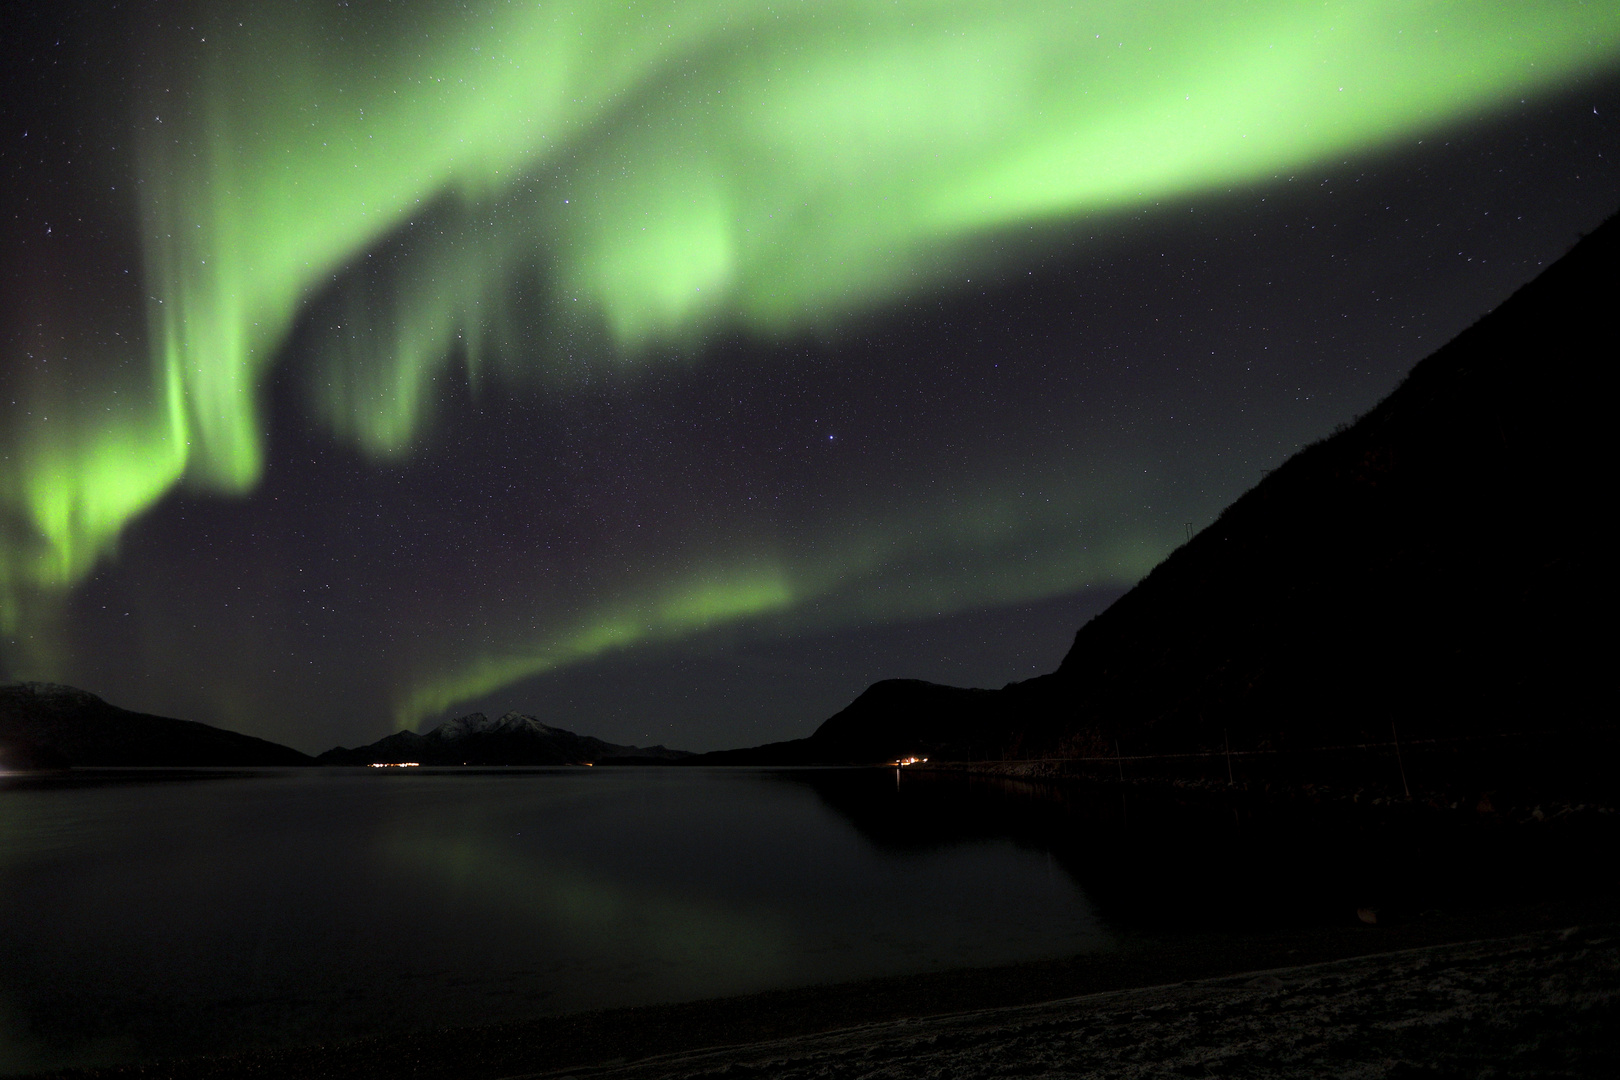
[(639, 365)]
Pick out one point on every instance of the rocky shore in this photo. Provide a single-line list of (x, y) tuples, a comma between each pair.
[(1545, 1004), (1501, 992)]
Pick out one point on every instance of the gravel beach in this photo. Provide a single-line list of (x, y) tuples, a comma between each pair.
[(1542, 1004), (1515, 992)]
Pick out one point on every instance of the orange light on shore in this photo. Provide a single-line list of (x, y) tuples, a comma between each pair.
[(395, 764), (903, 762)]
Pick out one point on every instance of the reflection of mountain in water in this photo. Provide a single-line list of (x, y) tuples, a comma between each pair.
[(1157, 858)]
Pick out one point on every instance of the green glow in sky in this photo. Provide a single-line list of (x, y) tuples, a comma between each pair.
[(536, 187), (968, 547), (696, 606)]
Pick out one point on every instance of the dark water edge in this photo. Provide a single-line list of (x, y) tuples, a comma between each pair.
[(605, 1038), (1159, 856), (1189, 883), (1527, 1007), (157, 913)]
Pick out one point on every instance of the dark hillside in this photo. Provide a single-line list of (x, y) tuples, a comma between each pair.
[(890, 720), (43, 725), (1437, 566)]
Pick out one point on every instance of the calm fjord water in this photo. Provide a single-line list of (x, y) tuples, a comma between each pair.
[(152, 914)]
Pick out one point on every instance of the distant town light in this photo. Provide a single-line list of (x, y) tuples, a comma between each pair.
[(395, 764)]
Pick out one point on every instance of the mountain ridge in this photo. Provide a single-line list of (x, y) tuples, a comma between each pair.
[(513, 739), (51, 726), (1357, 587), (1429, 565), (54, 726)]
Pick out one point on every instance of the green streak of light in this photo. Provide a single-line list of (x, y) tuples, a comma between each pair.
[(691, 607), (980, 546), (644, 172), (83, 474)]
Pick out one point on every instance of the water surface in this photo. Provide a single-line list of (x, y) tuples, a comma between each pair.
[(149, 914)]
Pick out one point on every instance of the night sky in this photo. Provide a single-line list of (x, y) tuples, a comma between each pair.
[(671, 371)]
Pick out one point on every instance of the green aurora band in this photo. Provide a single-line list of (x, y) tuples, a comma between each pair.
[(985, 547), (535, 189)]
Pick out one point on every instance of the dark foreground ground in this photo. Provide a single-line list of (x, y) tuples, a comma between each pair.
[(1522, 991), (1533, 1005)]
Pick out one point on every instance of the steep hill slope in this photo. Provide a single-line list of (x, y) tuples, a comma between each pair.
[(43, 725), (1438, 565)]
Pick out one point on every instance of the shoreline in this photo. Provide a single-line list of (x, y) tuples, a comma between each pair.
[(1270, 777), (1530, 1005), (617, 1039)]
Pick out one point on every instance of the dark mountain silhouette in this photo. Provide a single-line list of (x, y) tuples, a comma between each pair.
[(43, 725), (1437, 565), (891, 719), (514, 739)]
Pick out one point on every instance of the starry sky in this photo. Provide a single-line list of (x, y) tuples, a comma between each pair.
[(670, 370)]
